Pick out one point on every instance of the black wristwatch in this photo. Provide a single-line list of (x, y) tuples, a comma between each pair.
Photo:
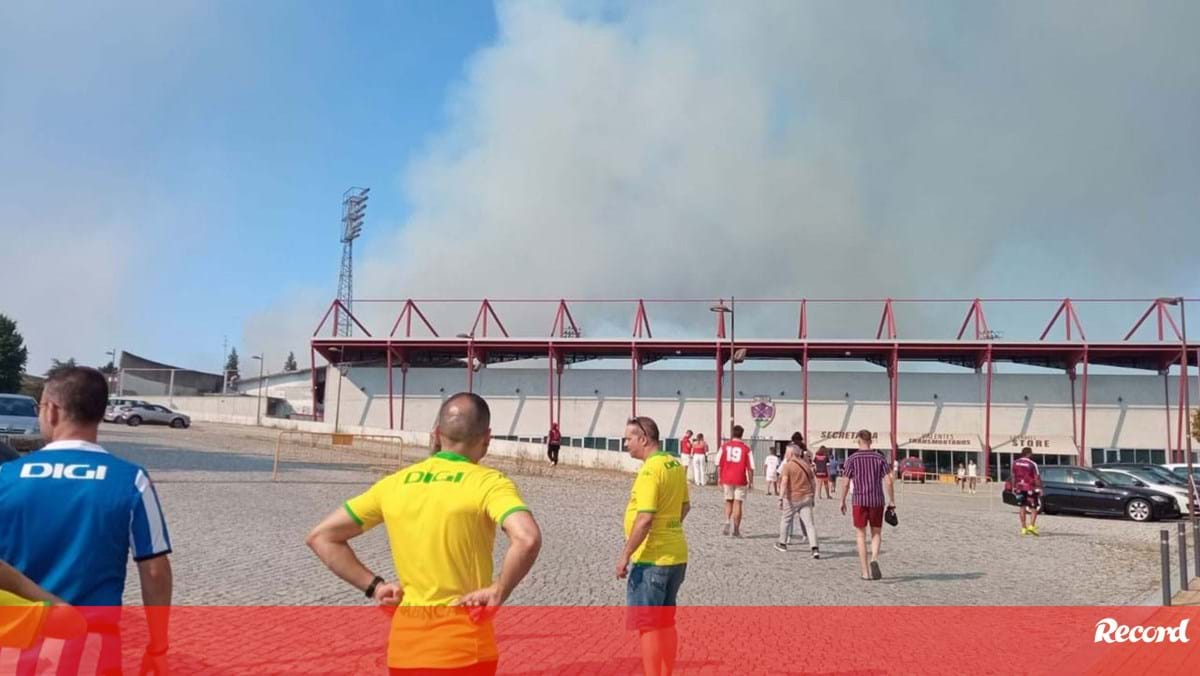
[(371, 587)]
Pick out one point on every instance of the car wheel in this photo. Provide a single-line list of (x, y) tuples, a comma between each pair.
[(1139, 510), (134, 420), (178, 423)]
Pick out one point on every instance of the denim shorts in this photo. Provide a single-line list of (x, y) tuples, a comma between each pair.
[(651, 595)]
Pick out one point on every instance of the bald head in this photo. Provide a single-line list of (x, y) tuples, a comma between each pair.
[(464, 420)]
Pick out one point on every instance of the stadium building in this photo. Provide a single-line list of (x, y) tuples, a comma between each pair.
[(1068, 414)]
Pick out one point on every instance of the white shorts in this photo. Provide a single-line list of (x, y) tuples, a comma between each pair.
[(734, 492), (771, 476)]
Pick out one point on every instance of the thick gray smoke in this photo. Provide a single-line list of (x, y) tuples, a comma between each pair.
[(701, 149)]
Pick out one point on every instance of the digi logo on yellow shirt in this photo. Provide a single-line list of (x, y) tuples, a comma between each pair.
[(419, 477)]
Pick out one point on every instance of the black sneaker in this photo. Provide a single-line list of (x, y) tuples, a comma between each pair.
[(876, 573), (816, 553), (780, 547)]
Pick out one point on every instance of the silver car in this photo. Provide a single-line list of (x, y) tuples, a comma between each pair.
[(19, 422), (152, 414), (112, 412)]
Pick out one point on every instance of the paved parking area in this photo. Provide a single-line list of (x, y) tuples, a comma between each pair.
[(238, 539)]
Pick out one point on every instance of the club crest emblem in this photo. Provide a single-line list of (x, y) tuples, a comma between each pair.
[(762, 410)]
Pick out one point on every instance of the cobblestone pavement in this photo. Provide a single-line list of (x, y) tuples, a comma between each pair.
[(238, 538)]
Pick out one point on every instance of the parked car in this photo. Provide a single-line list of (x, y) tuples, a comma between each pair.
[(912, 469), (1180, 470), (1069, 488), (112, 412), (1155, 475), (19, 427), (1123, 477), (152, 414)]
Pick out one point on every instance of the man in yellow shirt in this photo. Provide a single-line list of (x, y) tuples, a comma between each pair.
[(654, 545), (441, 516)]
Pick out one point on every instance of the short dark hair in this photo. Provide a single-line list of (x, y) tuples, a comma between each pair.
[(865, 435), (687, 433), (1027, 451), (646, 424), (464, 417), (738, 431), (80, 391)]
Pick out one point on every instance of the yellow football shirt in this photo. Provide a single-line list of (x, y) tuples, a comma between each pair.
[(661, 488), (441, 516), (20, 620)]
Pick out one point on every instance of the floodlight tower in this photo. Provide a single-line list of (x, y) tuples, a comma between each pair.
[(354, 205)]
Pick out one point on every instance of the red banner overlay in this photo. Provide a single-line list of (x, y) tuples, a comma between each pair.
[(595, 640)]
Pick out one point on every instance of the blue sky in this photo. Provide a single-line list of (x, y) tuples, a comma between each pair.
[(171, 172), (216, 139), (219, 138)]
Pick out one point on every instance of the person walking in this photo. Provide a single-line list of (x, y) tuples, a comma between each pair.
[(835, 469), (771, 472), (699, 465), (685, 452), (821, 466), (1027, 487), (797, 491), (869, 473), (735, 469), (73, 515), (972, 476), (441, 516), (654, 558), (960, 478), (553, 443)]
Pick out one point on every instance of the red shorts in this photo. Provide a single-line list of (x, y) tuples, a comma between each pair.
[(863, 515)]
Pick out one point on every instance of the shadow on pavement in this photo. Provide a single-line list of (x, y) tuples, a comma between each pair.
[(931, 577)]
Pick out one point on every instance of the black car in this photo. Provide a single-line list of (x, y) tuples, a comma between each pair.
[(1068, 488)]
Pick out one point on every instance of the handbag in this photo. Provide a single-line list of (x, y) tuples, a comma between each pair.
[(889, 515)]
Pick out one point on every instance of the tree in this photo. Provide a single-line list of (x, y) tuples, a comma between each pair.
[(289, 364), (13, 356), (57, 365), (1196, 424), (109, 369), (231, 364)]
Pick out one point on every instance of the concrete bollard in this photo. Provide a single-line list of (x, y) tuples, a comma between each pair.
[(1164, 548), (1183, 558)]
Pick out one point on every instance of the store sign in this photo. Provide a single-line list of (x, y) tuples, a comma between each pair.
[(941, 441), (837, 438), (762, 410), (1041, 444), (1036, 443)]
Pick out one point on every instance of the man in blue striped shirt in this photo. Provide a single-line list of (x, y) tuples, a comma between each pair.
[(869, 473), (73, 514)]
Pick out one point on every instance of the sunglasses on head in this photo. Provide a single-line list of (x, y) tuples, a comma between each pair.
[(637, 422)]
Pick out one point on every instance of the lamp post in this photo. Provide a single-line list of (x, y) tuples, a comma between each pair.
[(470, 338), (113, 353), (258, 407), (1187, 420), (733, 356)]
